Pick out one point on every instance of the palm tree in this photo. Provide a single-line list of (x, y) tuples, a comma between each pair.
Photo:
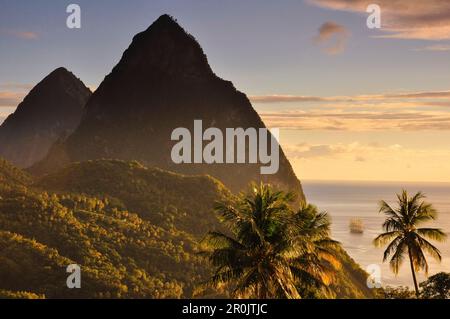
[(316, 265), (262, 253), (404, 236)]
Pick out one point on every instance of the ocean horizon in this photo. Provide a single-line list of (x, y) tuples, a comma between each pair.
[(344, 200)]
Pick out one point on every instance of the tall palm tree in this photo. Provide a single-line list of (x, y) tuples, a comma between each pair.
[(261, 254), (404, 236), (316, 265)]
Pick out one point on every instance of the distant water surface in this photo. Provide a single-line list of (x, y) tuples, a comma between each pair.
[(345, 200)]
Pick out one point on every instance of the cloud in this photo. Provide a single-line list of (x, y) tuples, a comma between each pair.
[(311, 151), (306, 151), (435, 48), (442, 104), (357, 98), (419, 110), (333, 37), (10, 99), (351, 116), (358, 121), (12, 93), (364, 160), (26, 35), (412, 19), (353, 150), (285, 98), (16, 86), (420, 95)]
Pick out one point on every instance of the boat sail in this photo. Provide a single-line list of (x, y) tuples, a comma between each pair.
[(356, 226)]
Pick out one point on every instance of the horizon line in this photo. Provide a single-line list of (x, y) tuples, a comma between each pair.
[(302, 180)]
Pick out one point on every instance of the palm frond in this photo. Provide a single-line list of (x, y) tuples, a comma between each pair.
[(392, 224), (398, 257), (432, 233), (424, 213), (418, 257), (219, 240), (386, 209), (384, 238), (392, 247), (271, 248), (429, 248)]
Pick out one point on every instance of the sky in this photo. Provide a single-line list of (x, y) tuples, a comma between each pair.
[(353, 103)]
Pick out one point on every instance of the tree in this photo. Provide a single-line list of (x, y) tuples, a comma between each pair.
[(436, 287), (316, 266), (404, 236), (269, 248), (400, 292)]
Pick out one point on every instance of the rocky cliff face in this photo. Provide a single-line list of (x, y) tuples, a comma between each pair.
[(163, 81), (52, 109)]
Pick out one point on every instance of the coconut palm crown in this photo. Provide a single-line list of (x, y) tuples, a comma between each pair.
[(404, 235)]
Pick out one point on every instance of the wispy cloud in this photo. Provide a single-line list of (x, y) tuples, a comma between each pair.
[(419, 95), (369, 160), (420, 110), (435, 48), (305, 150), (15, 86), (352, 150), (10, 99), (12, 93), (333, 37), (277, 98), (26, 35), (358, 121), (412, 19)]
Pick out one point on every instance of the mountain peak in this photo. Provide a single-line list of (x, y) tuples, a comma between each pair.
[(51, 109), (163, 82), (166, 19), (57, 82), (165, 48), (166, 22), (58, 76), (60, 70)]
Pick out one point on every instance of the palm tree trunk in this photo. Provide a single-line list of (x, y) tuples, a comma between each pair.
[(261, 291), (416, 287)]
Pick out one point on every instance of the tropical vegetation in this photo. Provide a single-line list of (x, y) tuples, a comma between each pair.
[(404, 236), (136, 231), (270, 250)]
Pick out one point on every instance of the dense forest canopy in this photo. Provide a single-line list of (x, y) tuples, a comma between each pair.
[(135, 232)]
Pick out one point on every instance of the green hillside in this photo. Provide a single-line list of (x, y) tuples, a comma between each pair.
[(351, 279), (134, 231), (10, 175), (164, 198), (121, 255)]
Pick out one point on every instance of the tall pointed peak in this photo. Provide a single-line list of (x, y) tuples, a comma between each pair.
[(165, 48), (57, 84), (165, 23), (50, 110), (163, 82), (59, 76), (166, 20), (60, 70)]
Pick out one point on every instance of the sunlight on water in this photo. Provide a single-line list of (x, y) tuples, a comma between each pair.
[(345, 200)]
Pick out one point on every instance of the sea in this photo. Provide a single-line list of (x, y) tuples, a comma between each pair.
[(344, 200)]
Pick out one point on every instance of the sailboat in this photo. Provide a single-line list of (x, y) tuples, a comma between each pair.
[(356, 226)]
